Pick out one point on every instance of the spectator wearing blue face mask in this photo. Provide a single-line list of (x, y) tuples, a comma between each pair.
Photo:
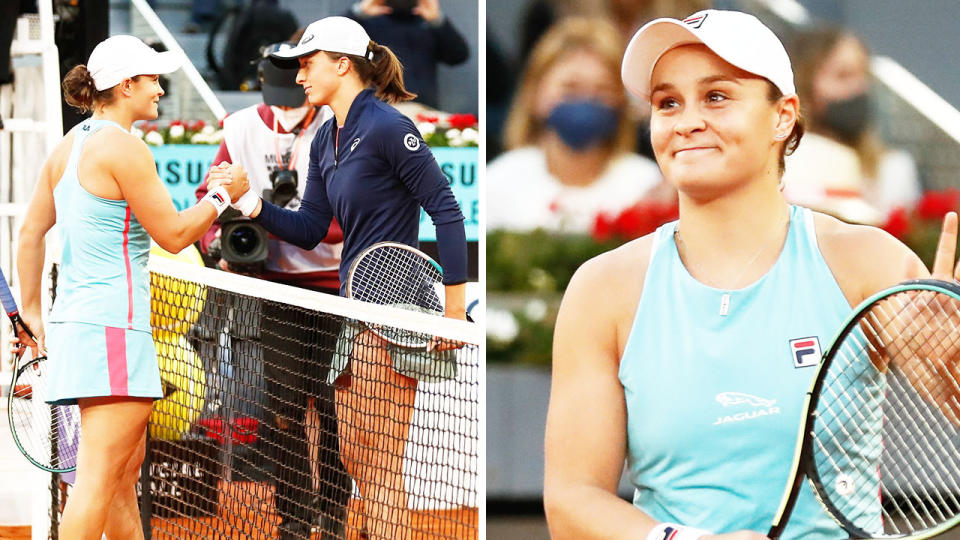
[(569, 137)]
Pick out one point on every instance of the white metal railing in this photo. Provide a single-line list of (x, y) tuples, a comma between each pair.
[(197, 80)]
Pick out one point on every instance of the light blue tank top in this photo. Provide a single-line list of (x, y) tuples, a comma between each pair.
[(714, 401), (103, 274)]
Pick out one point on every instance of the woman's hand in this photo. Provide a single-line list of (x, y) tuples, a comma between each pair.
[(943, 263), (372, 8), (428, 10), (22, 340)]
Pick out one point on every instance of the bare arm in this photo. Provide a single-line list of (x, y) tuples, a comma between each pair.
[(586, 421), (150, 202), (39, 218)]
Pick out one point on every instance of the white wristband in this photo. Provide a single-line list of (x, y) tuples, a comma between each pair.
[(672, 531), (247, 202), (219, 198)]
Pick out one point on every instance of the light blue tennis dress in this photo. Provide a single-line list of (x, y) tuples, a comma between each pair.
[(99, 339), (715, 381)]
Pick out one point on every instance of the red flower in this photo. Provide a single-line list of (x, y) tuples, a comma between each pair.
[(176, 123), (462, 121), (427, 118), (898, 223), (638, 220), (935, 204)]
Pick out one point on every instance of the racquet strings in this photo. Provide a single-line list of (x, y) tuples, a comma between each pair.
[(48, 435), (886, 439), (394, 276)]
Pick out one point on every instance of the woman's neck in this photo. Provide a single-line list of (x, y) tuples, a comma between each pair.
[(115, 114), (572, 168), (731, 241), (344, 98)]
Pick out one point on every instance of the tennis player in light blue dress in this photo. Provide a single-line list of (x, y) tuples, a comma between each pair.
[(101, 187), (686, 354)]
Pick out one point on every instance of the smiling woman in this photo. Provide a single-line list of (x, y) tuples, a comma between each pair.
[(100, 185), (676, 351)]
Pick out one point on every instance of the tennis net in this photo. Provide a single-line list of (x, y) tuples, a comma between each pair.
[(287, 415)]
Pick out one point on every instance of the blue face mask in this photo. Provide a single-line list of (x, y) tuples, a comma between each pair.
[(583, 124)]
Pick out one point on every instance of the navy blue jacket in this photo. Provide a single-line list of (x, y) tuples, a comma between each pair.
[(375, 183)]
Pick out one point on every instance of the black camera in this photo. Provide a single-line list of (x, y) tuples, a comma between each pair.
[(243, 243), (404, 7), (284, 183)]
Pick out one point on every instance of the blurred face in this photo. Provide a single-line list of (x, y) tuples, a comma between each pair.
[(842, 75), (320, 77), (144, 93), (579, 75), (712, 124)]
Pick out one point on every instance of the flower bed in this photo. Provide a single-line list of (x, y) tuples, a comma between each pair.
[(455, 130), (178, 132)]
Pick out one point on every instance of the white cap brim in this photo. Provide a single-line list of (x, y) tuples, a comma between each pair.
[(645, 49), (155, 64), (738, 38)]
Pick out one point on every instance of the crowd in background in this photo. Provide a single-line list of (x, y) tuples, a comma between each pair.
[(567, 142)]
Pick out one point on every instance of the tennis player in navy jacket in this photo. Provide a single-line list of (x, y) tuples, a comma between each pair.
[(371, 170)]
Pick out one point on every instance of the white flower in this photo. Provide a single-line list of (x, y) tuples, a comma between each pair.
[(208, 130), (136, 132), (176, 131), (501, 325), (199, 138), (453, 133), (536, 309), (470, 135), (154, 138), (216, 137), (456, 141), (427, 129)]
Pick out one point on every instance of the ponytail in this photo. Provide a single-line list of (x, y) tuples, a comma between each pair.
[(79, 89), (80, 92), (382, 69)]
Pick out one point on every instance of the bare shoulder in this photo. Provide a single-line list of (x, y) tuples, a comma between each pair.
[(864, 259), (607, 287), (112, 143)]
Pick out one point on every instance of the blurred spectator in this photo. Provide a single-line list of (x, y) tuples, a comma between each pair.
[(419, 34), (568, 137), (841, 166), (627, 15), (203, 13)]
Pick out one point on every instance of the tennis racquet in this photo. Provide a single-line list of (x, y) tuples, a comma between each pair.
[(880, 443), (394, 274), (47, 435)]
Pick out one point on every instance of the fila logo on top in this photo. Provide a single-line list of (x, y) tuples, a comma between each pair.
[(412, 142), (805, 352), (696, 22)]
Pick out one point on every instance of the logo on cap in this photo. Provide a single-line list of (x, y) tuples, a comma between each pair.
[(306, 39), (411, 142), (697, 21)]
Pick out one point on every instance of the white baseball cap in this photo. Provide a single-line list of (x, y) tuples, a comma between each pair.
[(331, 34), (119, 57), (738, 38)]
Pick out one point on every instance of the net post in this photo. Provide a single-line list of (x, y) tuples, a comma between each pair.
[(146, 491)]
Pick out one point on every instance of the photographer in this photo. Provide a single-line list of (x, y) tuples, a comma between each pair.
[(271, 141), (419, 34)]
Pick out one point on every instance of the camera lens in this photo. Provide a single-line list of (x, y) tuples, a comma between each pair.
[(244, 240), (284, 186)]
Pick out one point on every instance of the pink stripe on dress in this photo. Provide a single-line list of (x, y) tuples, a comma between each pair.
[(117, 360), (126, 261)]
